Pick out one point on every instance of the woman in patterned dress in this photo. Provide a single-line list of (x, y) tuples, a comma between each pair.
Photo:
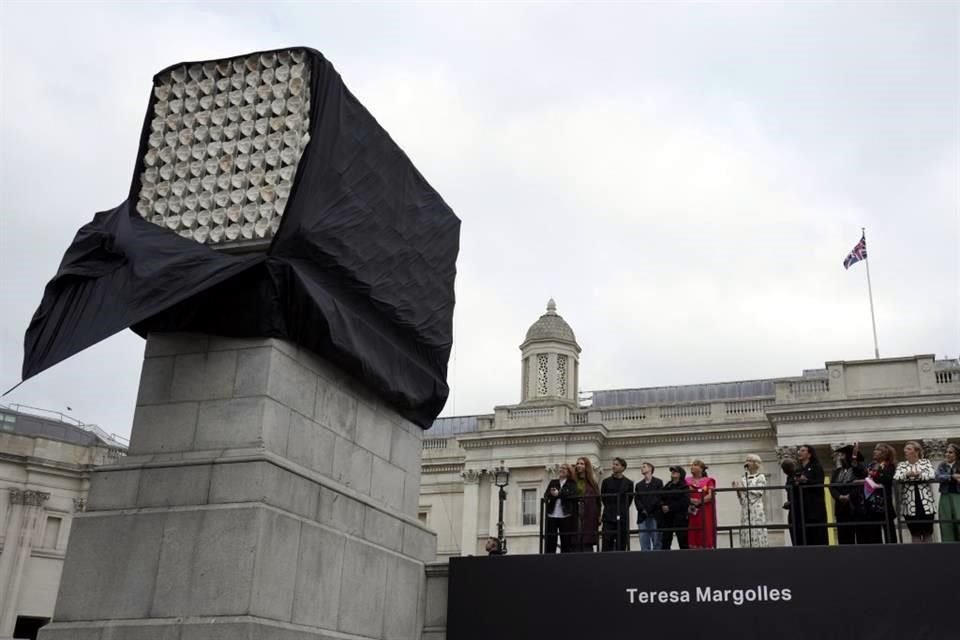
[(915, 474), (703, 510), (751, 503)]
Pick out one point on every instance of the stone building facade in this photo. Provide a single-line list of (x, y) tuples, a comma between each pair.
[(886, 400), (45, 467)]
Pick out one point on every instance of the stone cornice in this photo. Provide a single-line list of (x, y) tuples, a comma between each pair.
[(28, 497), (603, 437), (503, 439), (680, 438), (442, 468), (799, 413), (47, 465)]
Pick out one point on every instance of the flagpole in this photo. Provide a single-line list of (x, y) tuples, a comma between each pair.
[(873, 318)]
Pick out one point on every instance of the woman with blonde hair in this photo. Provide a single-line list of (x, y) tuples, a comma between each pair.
[(915, 474), (878, 497), (588, 493), (752, 513), (703, 510)]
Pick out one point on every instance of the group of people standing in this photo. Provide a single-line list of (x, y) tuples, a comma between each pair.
[(582, 515), (864, 496)]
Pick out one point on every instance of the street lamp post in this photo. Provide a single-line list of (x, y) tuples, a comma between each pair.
[(501, 477)]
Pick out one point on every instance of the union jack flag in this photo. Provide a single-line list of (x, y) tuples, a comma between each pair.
[(859, 253)]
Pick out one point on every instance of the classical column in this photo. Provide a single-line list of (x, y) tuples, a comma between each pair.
[(471, 508), (26, 511)]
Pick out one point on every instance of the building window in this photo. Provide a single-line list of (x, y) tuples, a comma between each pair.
[(529, 501), (562, 374), (422, 517), (542, 374), (51, 532)]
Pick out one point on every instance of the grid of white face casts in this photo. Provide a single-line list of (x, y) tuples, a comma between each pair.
[(225, 140)]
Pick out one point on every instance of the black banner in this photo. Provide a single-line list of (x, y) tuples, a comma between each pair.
[(889, 591)]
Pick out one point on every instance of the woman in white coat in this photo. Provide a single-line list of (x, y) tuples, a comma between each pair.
[(915, 474), (751, 498)]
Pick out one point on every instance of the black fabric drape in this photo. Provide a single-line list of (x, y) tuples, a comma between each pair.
[(361, 270)]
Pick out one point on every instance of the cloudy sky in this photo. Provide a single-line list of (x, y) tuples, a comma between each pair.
[(684, 179)]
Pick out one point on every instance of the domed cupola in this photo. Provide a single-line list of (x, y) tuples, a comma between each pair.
[(550, 359)]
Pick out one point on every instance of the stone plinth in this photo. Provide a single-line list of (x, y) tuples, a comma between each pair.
[(266, 495)]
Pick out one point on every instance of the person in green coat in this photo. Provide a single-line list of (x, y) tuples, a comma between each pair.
[(948, 474)]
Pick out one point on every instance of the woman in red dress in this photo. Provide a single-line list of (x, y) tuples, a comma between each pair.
[(703, 509)]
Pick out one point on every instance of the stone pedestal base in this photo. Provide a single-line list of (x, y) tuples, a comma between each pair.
[(265, 496)]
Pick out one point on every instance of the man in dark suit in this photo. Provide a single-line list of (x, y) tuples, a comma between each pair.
[(615, 494), (561, 503)]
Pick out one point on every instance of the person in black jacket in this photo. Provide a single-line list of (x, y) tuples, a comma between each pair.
[(813, 504), (792, 504), (848, 500), (674, 507), (561, 503), (615, 494), (649, 515)]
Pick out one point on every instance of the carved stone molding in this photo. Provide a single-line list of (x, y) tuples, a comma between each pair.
[(678, 438), (471, 476), (79, 505), (544, 438), (442, 468), (28, 498), (864, 412), (935, 448), (553, 471), (786, 453)]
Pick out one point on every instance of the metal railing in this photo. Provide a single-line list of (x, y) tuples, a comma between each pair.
[(880, 521)]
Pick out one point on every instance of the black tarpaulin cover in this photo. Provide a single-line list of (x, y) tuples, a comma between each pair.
[(360, 271)]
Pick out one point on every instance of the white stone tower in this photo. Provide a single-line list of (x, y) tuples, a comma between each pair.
[(550, 360)]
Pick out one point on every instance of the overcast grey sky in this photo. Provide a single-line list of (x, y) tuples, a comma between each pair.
[(684, 179)]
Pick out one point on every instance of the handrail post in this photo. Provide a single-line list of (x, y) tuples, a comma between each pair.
[(543, 519), (803, 519)]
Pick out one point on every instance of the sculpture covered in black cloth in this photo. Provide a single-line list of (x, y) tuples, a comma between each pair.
[(359, 267)]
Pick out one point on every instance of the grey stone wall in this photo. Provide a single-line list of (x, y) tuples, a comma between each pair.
[(266, 495)]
